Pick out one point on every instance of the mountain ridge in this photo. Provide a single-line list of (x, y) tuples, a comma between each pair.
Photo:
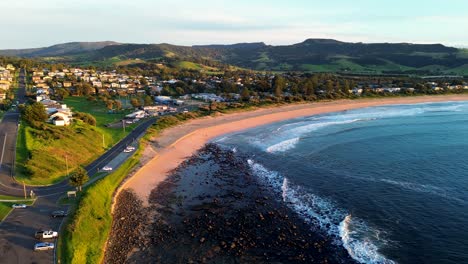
[(316, 55)]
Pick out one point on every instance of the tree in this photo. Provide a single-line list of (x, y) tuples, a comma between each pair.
[(245, 94), (79, 178), (148, 100), (110, 104), (35, 112), (143, 81), (61, 93), (279, 83), (135, 102), (84, 89), (118, 104)]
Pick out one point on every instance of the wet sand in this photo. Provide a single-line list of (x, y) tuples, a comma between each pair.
[(178, 143)]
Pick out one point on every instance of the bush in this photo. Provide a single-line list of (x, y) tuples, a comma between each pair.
[(85, 117)]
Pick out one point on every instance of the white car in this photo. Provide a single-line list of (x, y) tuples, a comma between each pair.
[(107, 168), (46, 234), (17, 206), (127, 150), (43, 246), (130, 148)]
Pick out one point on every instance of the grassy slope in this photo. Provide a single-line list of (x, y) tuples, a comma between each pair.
[(41, 156), (84, 236), (187, 65)]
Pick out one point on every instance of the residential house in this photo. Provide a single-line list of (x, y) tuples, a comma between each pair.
[(60, 119)]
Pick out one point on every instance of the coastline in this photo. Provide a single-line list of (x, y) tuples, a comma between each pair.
[(176, 144)]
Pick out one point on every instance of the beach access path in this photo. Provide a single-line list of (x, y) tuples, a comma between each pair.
[(176, 144)]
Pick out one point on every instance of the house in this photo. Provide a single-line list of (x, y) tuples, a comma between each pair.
[(36, 78), (137, 114), (163, 99), (10, 67), (4, 85), (67, 84), (59, 119), (3, 95), (97, 84)]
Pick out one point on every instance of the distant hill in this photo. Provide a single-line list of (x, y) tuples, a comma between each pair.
[(59, 49), (312, 55)]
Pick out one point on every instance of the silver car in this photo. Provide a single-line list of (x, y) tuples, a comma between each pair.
[(43, 246), (16, 206)]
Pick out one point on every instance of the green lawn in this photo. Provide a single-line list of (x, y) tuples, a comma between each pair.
[(5, 207), (95, 108), (85, 234), (103, 117)]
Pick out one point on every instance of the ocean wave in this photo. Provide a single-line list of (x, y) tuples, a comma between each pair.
[(424, 188), (301, 130), (323, 214), (362, 250), (283, 145)]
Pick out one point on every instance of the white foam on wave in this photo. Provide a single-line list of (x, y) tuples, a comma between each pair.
[(284, 188), (301, 130), (362, 250), (323, 214), (283, 145), (297, 131)]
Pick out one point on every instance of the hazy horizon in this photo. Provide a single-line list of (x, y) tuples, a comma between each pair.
[(455, 46), (33, 24)]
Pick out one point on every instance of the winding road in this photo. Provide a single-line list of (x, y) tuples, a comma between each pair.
[(17, 230)]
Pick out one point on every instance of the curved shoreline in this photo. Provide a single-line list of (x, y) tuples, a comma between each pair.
[(178, 143)]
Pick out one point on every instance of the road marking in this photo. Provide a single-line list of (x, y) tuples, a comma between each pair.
[(3, 150)]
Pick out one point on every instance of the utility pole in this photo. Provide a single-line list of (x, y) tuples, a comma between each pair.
[(66, 162), (123, 123), (24, 189)]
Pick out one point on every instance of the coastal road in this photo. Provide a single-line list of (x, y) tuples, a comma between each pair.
[(8, 134), (17, 230)]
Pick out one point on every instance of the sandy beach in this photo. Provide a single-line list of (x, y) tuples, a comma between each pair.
[(176, 144)]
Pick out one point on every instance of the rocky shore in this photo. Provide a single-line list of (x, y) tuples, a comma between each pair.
[(212, 210)]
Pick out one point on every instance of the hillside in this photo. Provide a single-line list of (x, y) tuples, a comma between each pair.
[(58, 50), (312, 55)]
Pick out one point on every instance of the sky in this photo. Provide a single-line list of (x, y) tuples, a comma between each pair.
[(33, 23)]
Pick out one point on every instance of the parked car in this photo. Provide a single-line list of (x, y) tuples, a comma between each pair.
[(127, 150), (17, 206), (59, 213), (43, 246), (131, 148), (106, 168), (46, 234)]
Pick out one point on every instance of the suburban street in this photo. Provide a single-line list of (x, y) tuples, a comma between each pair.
[(17, 230)]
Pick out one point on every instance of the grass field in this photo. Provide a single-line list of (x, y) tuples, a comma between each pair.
[(5, 207), (85, 234), (103, 117), (44, 154), (187, 65)]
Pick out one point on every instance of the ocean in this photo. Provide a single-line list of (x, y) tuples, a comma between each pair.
[(389, 184)]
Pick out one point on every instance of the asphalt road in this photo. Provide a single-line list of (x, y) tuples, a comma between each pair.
[(17, 230)]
